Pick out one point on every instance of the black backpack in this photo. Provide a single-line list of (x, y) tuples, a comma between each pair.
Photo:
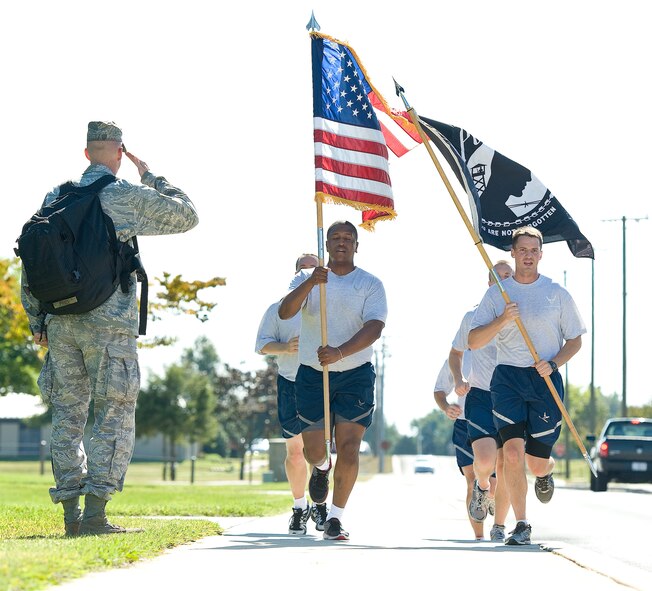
[(71, 256)]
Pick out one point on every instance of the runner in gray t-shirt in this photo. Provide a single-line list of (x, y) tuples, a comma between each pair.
[(357, 310), (525, 412), (481, 428)]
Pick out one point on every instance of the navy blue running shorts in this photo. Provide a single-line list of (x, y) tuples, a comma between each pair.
[(478, 412), (463, 449), (524, 407), (287, 407), (351, 396)]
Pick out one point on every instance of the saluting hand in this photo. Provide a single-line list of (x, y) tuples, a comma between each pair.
[(140, 165)]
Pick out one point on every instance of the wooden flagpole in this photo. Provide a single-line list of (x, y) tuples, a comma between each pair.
[(479, 244), (324, 329)]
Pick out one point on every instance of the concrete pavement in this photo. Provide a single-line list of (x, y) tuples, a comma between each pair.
[(405, 530)]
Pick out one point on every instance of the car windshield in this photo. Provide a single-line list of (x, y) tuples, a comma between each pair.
[(630, 429)]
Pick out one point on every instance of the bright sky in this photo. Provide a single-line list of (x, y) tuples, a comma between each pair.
[(218, 100)]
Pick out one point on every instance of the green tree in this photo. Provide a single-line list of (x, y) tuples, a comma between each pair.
[(435, 431), (578, 401), (179, 405), (20, 360), (179, 296), (390, 435), (640, 411), (245, 401)]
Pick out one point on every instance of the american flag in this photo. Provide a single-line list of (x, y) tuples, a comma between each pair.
[(353, 127)]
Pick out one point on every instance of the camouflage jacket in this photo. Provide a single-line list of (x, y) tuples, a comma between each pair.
[(136, 210)]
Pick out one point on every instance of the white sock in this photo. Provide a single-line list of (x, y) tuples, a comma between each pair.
[(301, 503), (325, 466), (335, 512), (525, 521)]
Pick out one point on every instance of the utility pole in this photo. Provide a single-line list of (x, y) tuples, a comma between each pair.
[(624, 222)]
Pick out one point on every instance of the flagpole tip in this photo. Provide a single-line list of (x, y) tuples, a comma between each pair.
[(313, 25), (399, 93)]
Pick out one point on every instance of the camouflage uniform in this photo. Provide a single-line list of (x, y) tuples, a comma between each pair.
[(93, 355)]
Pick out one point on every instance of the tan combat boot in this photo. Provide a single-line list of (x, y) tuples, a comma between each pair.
[(71, 516), (94, 521)]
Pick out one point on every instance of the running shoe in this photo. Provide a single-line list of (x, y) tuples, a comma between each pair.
[(333, 530), (544, 487), (497, 533), (520, 535), (297, 526), (319, 514), (491, 505), (478, 507), (318, 484)]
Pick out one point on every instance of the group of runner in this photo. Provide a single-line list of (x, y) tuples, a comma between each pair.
[(505, 418)]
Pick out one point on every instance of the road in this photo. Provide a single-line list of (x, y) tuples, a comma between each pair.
[(614, 524)]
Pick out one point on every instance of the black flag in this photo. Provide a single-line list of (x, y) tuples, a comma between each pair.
[(503, 194)]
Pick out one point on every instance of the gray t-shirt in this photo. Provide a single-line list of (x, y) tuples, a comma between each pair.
[(274, 330), (351, 300), (483, 360), (547, 311)]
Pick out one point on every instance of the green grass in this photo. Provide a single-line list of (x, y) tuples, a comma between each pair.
[(34, 554)]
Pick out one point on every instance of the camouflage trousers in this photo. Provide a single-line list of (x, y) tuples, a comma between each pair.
[(85, 364)]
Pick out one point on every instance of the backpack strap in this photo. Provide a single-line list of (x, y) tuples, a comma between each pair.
[(129, 261), (94, 187), (141, 277)]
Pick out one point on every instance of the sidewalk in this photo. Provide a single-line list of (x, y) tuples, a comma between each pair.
[(395, 540)]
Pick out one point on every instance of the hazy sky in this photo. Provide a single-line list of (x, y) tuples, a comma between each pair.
[(218, 100)]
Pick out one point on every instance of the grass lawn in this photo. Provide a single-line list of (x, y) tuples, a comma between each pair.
[(34, 554)]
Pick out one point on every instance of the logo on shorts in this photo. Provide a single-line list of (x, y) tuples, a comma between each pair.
[(545, 417)]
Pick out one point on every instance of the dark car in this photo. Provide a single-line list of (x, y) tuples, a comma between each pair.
[(622, 452)]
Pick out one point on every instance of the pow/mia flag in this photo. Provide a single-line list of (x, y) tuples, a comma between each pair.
[(503, 194)]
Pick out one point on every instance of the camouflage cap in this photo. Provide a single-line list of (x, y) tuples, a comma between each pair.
[(103, 131)]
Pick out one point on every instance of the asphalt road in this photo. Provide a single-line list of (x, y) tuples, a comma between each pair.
[(615, 524)]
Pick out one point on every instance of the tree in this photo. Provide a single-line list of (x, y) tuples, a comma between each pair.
[(390, 433), (178, 296), (179, 405), (435, 431), (640, 411), (245, 407), (20, 360)]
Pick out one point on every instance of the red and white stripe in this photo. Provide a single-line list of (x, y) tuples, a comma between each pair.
[(399, 132), (351, 163)]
